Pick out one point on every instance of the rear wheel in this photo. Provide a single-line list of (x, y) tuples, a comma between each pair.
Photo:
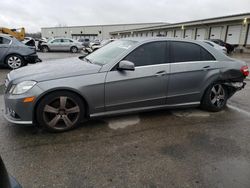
[(215, 98), (14, 61), (60, 111), (74, 49)]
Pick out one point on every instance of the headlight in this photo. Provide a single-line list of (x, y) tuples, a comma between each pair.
[(22, 87)]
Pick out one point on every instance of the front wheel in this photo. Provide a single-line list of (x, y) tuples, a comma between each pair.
[(60, 111), (45, 49), (215, 98)]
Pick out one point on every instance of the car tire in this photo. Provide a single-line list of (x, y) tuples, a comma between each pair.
[(14, 61), (73, 49), (45, 49), (215, 98), (60, 111)]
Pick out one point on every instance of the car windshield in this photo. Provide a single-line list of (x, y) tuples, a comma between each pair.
[(111, 51)]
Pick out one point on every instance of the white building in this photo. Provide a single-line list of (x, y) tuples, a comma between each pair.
[(233, 29), (91, 31)]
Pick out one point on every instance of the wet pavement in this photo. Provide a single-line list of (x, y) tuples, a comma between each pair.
[(167, 148)]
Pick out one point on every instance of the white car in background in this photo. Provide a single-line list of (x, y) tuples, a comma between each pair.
[(216, 46)]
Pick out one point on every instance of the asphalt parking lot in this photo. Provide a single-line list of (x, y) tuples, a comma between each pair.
[(168, 148)]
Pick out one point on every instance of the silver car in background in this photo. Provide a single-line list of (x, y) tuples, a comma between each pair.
[(15, 54), (124, 76), (216, 46), (61, 44)]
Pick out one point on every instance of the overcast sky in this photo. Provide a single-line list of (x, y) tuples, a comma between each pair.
[(34, 14)]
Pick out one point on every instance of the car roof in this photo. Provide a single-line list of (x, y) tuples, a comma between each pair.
[(6, 35), (148, 39)]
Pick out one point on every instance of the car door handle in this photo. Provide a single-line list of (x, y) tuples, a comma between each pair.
[(206, 68), (160, 73)]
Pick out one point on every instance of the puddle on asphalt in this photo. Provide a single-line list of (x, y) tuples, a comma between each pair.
[(190, 113), (122, 122)]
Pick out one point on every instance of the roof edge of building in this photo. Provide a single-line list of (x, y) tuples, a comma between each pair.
[(183, 23), (101, 25)]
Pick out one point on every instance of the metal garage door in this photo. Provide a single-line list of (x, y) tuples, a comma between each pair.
[(248, 36), (233, 34), (215, 33), (169, 33), (188, 34), (178, 34), (200, 34)]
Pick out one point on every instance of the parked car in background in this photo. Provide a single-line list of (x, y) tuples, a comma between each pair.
[(29, 41), (95, 47), (15, 54), (62, 44), (229, 47), (7, 181), (85, 41), (216, 46), (127, 75), (38, 42), (95, 42)]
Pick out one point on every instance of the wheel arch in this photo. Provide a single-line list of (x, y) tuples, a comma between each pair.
[(56, 90), (224, 76)]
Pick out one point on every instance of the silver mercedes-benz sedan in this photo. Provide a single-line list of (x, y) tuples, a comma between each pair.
[(127, 75), (61, 44)]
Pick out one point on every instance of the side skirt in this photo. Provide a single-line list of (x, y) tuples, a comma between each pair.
[(142, 109)]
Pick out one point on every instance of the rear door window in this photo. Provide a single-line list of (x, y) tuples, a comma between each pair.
[(57, 41), (149, 54), (4, 40), (187, 51)]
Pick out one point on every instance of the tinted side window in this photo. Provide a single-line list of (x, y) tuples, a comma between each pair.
[(57, 40), (149, 54), (206, 56), (4, 40), (66, 40), (185, 51)]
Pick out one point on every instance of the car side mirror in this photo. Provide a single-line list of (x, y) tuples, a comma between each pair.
[(126, 65)]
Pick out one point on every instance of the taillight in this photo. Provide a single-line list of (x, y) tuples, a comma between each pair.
[(245, 70)]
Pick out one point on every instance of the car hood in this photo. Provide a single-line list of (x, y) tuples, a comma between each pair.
[(54, 70)]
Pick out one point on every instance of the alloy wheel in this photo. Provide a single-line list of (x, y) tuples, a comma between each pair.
[(61, 113), (14, 62), (217, 95), (45, 49), (74, 50)]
